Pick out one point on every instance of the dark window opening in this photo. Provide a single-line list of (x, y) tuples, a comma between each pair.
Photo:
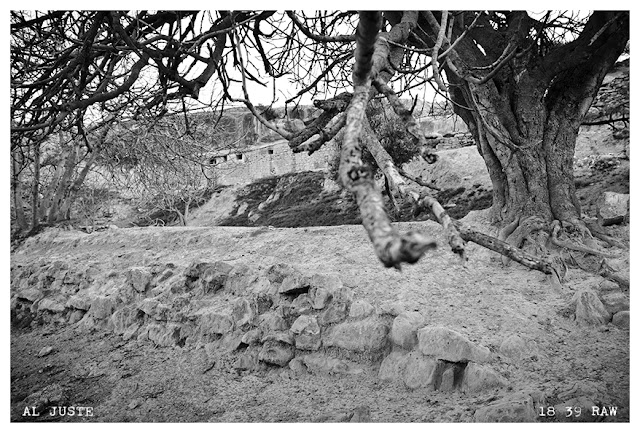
[(270, 151), (239, 156), (224, 158)]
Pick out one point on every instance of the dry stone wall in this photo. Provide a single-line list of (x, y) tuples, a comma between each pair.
[(250, 319)]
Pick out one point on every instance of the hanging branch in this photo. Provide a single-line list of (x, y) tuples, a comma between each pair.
[(391, 247)]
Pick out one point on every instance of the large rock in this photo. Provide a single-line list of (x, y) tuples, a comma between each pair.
[(336, 312), (161, 335), (214, 321), (243, 312), (50, 305), (517, 408), (589, 310), (307, 333), (360, 309), (612, 208), (274, 352), (79, 302), (420, 371), (404, 329), (272, 321), (615, 301), (30, 294), (214, 277), (365, 335), (393, 366), (320, 363), (278, 272), (517, 348), (621, 319), (478, 378), (101, 307), (301, 305), (294, 284), (450, 345), (139, 278), (124, 318), (330, 282)]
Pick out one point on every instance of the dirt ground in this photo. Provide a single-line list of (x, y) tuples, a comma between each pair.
[(131, 381)]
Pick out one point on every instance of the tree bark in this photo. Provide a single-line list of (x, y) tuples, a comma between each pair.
[(525, 120)]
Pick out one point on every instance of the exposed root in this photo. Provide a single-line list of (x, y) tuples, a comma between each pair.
[(611, 274), (494, 244), (517, 231), (555, 228), (597, 232)]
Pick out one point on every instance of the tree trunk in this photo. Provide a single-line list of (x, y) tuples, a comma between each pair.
[(35, 188), (16, 186), (525, 119)]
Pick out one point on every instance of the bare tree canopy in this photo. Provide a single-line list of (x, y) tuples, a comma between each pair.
[(521, 82)]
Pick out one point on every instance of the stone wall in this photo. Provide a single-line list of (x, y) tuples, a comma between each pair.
[(239, 166)]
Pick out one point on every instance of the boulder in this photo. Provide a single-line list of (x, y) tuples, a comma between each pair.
[(123, 318), (516, 348), (420, 371), (369, 334), (243, 312), (330, 282), (272, 321), (161, 335), (278, 272), (30, 294), (214, 321), (320, 363), (449, 345), (79, 302), (301, 305), (214, 277), (274, 352), (621, 319), (612, 208), (360, 309), (393, 366), (101, 307), (50, 305), (336, 312), (519, 408), (307, 331), (615, 301), (252, 336), (294, 284), (478, 378), (589, 310), (139, 278), (404, 329)]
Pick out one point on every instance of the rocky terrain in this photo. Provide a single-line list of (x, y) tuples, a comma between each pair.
[(272, 324), (245, 324)]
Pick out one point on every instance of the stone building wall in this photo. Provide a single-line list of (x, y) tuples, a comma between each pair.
[(264, 160)]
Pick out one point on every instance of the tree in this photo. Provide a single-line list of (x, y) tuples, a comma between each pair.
[(521, 82)]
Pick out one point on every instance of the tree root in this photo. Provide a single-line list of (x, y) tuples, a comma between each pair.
[(555, 228), (517, 231), (515, 254), (597, 232)]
